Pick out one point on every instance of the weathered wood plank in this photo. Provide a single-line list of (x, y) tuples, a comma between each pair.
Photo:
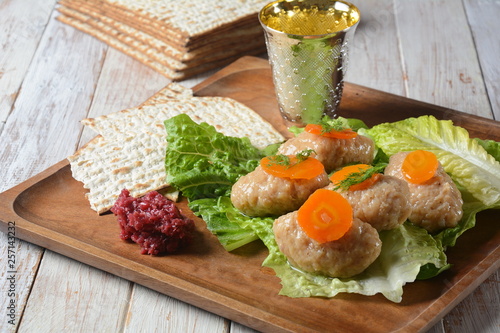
[(55, 95), (237, 328), (375, 66), (374, 54), (419, 65), (443, 68), (151, 311), (123, 83), (36, 125), (439, 56), (22, 26), (75, 297), (16, 282), (37, 128), (484, 304), (484, 23)]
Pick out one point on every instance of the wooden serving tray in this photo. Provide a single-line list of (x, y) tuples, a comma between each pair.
[(50, 210)]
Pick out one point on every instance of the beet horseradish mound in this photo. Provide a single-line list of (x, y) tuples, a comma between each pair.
[(153, 222)]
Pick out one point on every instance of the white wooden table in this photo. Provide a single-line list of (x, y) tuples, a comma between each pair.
[(445, 52)]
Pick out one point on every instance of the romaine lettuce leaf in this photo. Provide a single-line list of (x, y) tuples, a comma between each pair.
[(471, 207), (404, 251), (492, 147), (222, 220), (408, 252), (352, 123), (467, 162), (202, 162)]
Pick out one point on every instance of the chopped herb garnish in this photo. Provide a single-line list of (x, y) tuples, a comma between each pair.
[(359, 177), (303, 155), (279, 160), (333, 125), (285, 160)]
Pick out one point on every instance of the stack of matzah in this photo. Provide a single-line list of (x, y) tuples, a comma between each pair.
[(178, 38), (130, 149)]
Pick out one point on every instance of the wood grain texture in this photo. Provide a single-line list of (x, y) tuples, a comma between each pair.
[(78, 288), (441, 73), (22, 26), (233, 284), (483, 19), (157, 312), (379, 60), (440, 65), (374, 58), (120, 94), (54, 96), (26, 134)]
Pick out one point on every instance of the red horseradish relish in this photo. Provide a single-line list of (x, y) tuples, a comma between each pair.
[(153, 222)]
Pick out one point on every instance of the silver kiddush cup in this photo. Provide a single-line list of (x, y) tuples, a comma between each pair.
[(307, 43)]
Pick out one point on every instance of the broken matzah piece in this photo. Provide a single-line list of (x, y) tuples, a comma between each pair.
[(173, 91), (219, 112), (130, 150), (105, 166)]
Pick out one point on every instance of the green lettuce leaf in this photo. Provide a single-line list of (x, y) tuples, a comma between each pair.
[(472, 163), (404, 251), (467, 162), (492, 147), (221, 218), (202, 162), (352, 123), (471, 207)]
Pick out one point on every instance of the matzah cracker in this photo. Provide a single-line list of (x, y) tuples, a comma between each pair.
[(219, 112), (162, 52), (173, 91), (162, 29), (130, 150), (107, 165), (191, 18), (179, 38), (144, 58), (137, 55), (236, 41)]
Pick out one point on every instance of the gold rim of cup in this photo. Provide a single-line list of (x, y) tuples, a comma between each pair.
[(273, 9), (307, 42)]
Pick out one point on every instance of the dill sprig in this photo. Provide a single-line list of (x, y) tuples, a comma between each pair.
[(337, 125), (304, 155), (359, 177), (279, 160), (328, 125), (285, 160)]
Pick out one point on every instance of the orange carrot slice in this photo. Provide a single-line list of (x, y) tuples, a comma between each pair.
[(319, 130), (325, 216), (352, 171), (419, 166), (293, 167)]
